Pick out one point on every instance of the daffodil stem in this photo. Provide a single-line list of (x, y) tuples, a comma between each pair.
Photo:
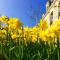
[(22, 40), (58, 48)]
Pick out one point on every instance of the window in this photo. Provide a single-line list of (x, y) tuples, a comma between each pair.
[(58, 14), (59, 10), (59, 4), (51, 18)]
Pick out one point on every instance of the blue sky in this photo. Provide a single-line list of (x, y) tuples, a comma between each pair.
[(23, 9)]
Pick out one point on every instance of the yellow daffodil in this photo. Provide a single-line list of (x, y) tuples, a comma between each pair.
[(4, 19), (14, 36), (14, 23)]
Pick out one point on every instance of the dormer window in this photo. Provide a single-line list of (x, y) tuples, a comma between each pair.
[(50, 2), (47, 6)]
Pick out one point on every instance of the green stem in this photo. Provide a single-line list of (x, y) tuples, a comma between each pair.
[(58, 48)]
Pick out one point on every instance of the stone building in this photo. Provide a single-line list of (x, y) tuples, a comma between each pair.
[(52, 11)]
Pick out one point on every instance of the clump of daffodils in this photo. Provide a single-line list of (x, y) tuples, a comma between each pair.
[(14, 23), (13, 27), (8, 26)]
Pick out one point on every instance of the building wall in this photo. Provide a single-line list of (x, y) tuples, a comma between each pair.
[(53, 8), (55, 14)]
